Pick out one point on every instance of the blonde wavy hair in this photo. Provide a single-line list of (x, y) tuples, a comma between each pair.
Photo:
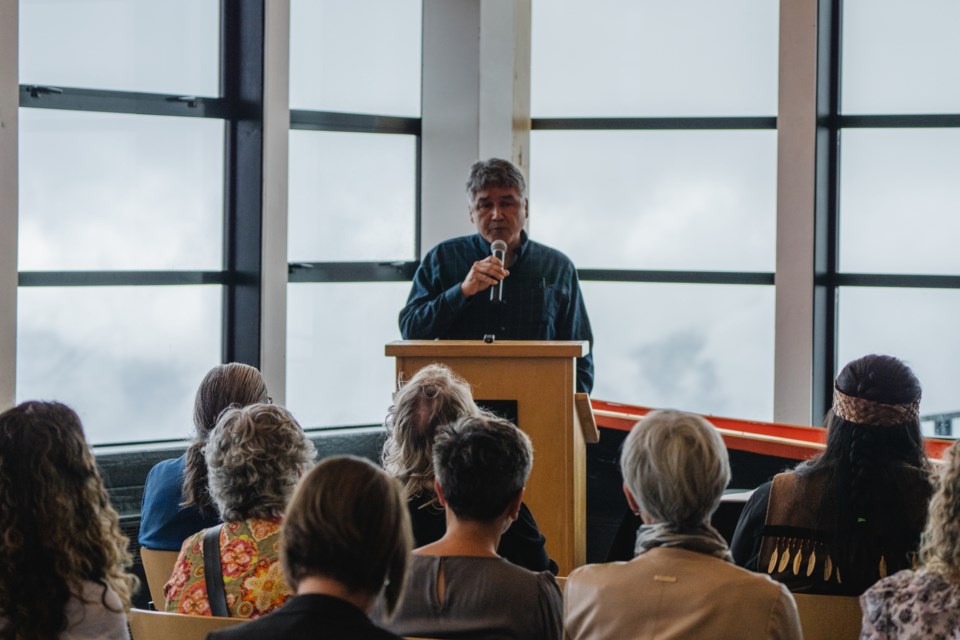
[(940, 542), (433, 397), (58, 528)]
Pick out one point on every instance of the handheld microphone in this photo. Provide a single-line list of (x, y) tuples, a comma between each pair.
[(499, 250)]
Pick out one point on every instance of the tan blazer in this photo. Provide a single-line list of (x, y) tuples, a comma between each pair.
[(673, 593)]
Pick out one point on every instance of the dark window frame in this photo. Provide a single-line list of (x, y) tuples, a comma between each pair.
[(830, 125), (240, 107)]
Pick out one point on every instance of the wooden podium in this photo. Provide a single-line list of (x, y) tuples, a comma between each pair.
[(540, 378)]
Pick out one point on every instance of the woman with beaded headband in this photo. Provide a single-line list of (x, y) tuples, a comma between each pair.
[(852, 515)]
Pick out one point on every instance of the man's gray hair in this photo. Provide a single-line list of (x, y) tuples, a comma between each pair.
[(495, 172), (255, 456), (676, 467)]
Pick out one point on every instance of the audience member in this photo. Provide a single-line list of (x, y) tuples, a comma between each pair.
[(255, 455), (433, 397), (346, 539), (924, 603), (682, 582), (459, 587), (176, 501), (63, 560), (840, 522)]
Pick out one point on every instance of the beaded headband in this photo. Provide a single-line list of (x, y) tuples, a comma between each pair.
[(871, 412)]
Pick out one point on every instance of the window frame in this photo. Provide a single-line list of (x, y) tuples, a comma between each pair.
[(828, 279), (240, 106)]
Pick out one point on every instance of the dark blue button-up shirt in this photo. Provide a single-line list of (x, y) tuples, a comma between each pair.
[(541, 299)]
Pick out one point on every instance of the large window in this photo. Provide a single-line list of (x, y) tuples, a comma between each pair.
[(129, 135), (662, 191), (896, 215), (353, 202)]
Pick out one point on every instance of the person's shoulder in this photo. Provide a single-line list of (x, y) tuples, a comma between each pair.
[(167, 470), (454, 244), (597, 575), (96, 612), (546, 251), (750, 581), (901, 583)]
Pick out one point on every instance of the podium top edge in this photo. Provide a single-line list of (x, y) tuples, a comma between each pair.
[(497, 349)]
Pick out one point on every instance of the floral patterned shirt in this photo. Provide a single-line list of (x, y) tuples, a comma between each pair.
[(911, 604), (253, 582)]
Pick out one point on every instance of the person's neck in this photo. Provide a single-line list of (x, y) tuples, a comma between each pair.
[(466, 538), (329, 587)]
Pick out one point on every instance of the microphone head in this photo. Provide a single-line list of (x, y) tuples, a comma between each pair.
[(498, 245)]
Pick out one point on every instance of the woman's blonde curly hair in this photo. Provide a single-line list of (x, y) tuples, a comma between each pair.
[(940, 543), (433, 397), (58, 528)]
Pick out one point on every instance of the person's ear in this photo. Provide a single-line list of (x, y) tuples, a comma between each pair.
[(439, 492), (631, 500), (526, 209), (513, 509)]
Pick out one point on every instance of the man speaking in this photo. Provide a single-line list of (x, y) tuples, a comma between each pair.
[(498, 281)]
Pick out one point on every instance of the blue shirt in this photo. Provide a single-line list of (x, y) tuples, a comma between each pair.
[(541, 299), (164, 524)]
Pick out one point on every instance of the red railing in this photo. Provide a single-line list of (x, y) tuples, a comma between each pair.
[(766, 438)]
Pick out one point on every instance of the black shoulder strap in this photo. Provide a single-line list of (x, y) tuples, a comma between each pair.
[(213, 572)]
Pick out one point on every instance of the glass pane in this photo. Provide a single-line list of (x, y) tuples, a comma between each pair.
[(127, 359), (900, 56), (360, 56), (900, 201), (918, 326), (701, 348), (353, 197), (159, 47), (112, 191), (693, 200), (654, 58), (336, 372)]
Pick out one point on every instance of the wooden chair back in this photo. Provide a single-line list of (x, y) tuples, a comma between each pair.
[(158, 567), (159, 625), (829, 617)]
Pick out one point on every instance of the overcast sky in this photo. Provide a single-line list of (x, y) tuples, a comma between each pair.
[(103, 191)]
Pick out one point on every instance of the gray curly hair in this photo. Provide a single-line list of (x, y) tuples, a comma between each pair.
[(433, 397), (255, 456)]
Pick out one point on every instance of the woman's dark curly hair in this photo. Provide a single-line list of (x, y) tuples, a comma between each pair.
[(58, 528), (224, 386)]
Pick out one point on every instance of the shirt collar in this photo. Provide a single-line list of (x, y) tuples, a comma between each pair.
[(521, 250)]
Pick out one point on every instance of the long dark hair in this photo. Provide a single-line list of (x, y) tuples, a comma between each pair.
[(57, 526), (871, 472), (224, 386)]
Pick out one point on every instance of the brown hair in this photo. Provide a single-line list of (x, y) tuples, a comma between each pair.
[(348, 521), (225, 385), (57, 525)]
